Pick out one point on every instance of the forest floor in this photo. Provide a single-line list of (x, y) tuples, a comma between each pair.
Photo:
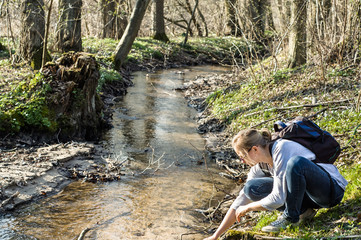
[(254, 96)]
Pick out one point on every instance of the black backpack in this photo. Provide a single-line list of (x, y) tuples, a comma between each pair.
[(311, 136)]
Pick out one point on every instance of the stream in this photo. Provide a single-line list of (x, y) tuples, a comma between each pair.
[(155, 134)]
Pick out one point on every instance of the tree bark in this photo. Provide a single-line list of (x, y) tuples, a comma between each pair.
[(278, 20), (187, 6), (158, 21), (73, 99), (232, 22), (45, 46), (33, 28), (297, 37), (69, 32), (130, 33), (258, 18), (114, 22), (189, 23)]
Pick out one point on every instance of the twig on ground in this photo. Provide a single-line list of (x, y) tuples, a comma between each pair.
[(191, 233), (314, 115), (82, 234)]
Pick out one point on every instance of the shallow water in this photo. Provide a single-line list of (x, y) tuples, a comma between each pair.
[(155, 131)]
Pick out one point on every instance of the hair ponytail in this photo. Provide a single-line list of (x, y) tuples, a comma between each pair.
[(266, 134), (248, 138)]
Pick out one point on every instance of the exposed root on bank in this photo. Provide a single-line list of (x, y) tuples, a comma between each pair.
[(10, 200)]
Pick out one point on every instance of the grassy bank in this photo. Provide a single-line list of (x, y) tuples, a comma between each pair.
[(331, 96)]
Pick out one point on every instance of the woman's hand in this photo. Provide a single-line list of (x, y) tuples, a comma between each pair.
[(241, 211)]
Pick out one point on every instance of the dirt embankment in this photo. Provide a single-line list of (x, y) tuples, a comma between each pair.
[(31, 173)]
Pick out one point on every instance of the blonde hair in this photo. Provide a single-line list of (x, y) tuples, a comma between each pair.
[(248, 138)]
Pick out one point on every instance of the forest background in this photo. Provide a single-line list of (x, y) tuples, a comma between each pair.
[(290, 58)]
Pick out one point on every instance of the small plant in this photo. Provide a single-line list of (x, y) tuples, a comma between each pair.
[(107, 76), (281, 76), (341, 72)]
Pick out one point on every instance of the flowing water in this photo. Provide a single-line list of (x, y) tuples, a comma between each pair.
[(155, 131)]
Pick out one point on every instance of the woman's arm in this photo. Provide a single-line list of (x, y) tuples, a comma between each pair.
[(227, 222)]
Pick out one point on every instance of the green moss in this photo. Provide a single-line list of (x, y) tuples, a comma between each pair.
[(238, 235), (25, 107)]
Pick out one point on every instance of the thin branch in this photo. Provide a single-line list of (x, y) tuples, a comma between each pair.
[(190, 21), (82, 234)]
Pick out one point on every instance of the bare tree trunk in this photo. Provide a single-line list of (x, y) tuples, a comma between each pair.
[(232, 23), (69, 32), (33, 28), (278, 20), (189, 23), (130, 33), (204, 22), (108, 16), (258, 14), (187, 6), (158, 21), (45, 46), (121, 20), (297, 37), (114, 22)]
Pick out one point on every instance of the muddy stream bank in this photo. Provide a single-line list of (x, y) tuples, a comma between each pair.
[(155, 153)]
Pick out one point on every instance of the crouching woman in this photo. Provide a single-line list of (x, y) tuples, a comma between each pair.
[(282, 177)]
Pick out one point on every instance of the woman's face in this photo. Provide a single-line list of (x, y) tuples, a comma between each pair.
[(247, 156), (252, 156)]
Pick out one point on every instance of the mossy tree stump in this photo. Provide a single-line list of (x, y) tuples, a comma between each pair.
[(73, 98)]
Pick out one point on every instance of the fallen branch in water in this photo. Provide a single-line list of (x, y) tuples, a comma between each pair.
[(157, 162), (7, 201), (82, 234)]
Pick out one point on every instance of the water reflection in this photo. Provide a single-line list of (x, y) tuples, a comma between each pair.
[(151, 122)]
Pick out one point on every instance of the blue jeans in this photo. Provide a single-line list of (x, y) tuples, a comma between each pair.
[(308, 186)]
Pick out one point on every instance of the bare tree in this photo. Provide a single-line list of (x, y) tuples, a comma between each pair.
[(158, 21), (278, 20), (232, 22), (130, 33), (45, 45), (258, 16), (190, 21), (69, 29), (33, 28), (114, 20), (297, 37)]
